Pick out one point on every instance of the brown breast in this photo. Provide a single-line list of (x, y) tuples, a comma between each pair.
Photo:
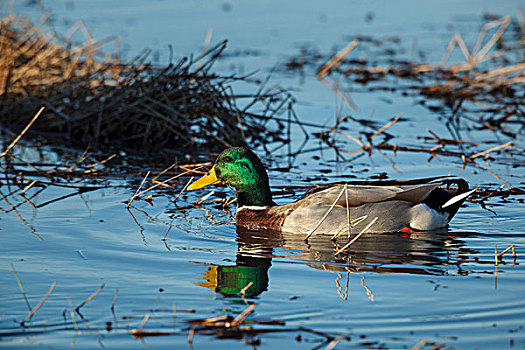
[(265, 218)]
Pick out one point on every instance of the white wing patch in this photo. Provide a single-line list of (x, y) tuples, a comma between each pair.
[(458, 198)]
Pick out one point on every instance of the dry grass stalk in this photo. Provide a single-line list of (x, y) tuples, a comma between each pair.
[(164, 171), (28, 187), (203, 198), (24, 221), (183, 189), (229, 201), (496, 254), (386, 126), (101, 162), (362, 145), (485, 90), (114, 300), (347, 211), (158, 184), (325, 215), (168, 231), (22, 132), (90, 297), (498, 177), (144, 320), (350, 224), (356, 237), (242, 316), (72, 314), (129, 200), (495, 275), (139, 332), (243, 291), (508, 144), (20, 286), (370, 145), (420, 344), (337, 59), (333, 84), (334, 342), (190, 336), (456, 39), (511, 247), (40, 303)]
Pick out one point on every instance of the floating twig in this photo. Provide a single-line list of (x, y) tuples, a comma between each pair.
[(243, 291), (242, 316), (39, 304), (356, 237), (203, 198), (114, 301), (386, 126), (491, 150), (72, 314), (334, 342), (20, 286), (77, 309)]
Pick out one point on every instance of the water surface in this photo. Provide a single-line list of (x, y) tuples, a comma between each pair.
[(386, 291)]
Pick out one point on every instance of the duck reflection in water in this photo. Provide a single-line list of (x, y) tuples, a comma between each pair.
[(427, 253)]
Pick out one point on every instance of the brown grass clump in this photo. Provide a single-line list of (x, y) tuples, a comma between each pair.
[(94, 98)]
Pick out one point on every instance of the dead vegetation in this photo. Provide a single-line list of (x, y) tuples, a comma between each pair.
[(224, 326), (485, 92), (94, 98), (56, 91)]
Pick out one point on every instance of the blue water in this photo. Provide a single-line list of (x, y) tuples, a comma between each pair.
[(388, 291)]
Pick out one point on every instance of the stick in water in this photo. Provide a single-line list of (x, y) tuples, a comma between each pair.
[(356, 237)]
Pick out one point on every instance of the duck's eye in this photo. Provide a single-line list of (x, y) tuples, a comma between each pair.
[(227, 159)]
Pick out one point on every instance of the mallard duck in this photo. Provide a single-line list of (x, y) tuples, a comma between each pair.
[(392, 205)]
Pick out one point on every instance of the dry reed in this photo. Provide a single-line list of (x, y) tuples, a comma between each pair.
[(483, 93), (77, 309), (95, 98), (29, 315)]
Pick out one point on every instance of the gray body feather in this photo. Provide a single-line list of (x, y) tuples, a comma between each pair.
[(394, 206)]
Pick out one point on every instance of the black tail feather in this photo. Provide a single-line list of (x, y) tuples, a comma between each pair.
[(437, 198)]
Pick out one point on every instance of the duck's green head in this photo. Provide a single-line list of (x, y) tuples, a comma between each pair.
[(242, 169)]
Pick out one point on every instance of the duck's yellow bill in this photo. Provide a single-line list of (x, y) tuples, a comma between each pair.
[(208, 179)]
